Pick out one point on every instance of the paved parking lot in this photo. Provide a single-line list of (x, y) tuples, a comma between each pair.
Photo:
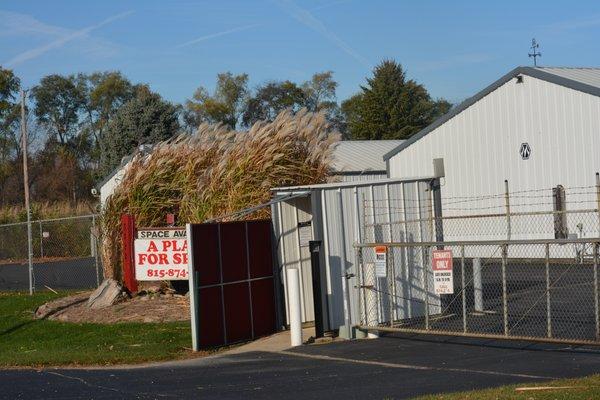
[(390, 367), (76, 273)]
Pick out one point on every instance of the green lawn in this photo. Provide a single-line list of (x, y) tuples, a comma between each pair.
[(25, 341), (587, 388)]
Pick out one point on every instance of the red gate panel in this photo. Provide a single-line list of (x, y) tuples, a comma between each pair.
[(237, 312), (263, 305), (234, 265), (234, 260), (210, 316)]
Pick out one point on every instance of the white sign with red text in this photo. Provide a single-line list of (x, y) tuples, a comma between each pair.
[(161, 255), (443, 280), (380, 261)]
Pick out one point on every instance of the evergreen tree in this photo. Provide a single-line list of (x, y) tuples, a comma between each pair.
[(390, 106), (146, 119)]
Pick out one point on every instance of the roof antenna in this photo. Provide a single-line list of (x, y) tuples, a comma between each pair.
[(535, 46)]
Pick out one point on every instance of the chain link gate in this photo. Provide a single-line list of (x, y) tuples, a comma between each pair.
[(536, 290)]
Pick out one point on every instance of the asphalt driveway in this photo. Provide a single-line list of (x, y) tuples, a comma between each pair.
[(75, 273), (391, 367)]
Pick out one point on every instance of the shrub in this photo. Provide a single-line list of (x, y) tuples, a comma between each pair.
[(217, 172)]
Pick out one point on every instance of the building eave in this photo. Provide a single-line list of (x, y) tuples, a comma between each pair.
[(529, 71)]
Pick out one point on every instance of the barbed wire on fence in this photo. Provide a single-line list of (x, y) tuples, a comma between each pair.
[(520, 214)]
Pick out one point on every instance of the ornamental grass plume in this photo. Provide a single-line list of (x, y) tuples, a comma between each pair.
[(216, 172)]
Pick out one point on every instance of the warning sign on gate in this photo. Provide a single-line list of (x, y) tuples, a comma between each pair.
[(380, 261), (161, 254), (443, 280)]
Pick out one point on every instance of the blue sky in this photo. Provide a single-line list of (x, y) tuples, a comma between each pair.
[(454, 48)]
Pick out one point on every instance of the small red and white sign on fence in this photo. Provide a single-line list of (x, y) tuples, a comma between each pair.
[(380, 261), (161, 255), (441, 264)]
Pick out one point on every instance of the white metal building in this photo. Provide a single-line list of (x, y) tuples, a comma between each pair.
[(336, 214), (109, 184), (536, 128)]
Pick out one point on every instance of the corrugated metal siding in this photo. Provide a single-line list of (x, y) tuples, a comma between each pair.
[(346, 211), (295, 255), (480, 147)]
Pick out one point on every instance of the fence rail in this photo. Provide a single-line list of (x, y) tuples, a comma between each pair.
[(540, 290), (65, 254)]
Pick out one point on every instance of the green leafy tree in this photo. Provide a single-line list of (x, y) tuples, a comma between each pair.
[(319, 92), (9, 111), (9, 136), (320, 95), (226, 105), (105, 93), (272, 98), (9, 88), (58, 103), (146, 119), (390, 106)]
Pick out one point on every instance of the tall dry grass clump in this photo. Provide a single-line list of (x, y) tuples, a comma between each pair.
[(44, 210), (217, 172)]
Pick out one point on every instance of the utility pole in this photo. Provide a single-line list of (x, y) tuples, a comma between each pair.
[(26, 189), (535, 46)]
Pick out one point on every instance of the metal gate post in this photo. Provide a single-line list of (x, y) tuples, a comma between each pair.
[(462, 285), (193, 290), (504, 298), (95, 249), (598, 199), (390, 280), (596, 291), (477, 285), (548, 312), (390, 258), (41, 240), (360, 276), (507, 205), (426, 287)]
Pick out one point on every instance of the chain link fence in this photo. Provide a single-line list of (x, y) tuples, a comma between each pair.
[(511, 289), (65, 254), (524, 264)]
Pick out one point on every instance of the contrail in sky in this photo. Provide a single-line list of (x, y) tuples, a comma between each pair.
[(38, 51), (214, 35), (310, 21)]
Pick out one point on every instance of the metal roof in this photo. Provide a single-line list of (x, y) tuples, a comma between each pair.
[(585, 80), (287, 190), (587, 76), (360, 156)]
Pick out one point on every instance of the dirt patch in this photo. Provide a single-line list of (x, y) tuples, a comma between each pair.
[(146, 308)]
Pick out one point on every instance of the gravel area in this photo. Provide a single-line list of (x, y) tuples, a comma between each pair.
[(152, 307)]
